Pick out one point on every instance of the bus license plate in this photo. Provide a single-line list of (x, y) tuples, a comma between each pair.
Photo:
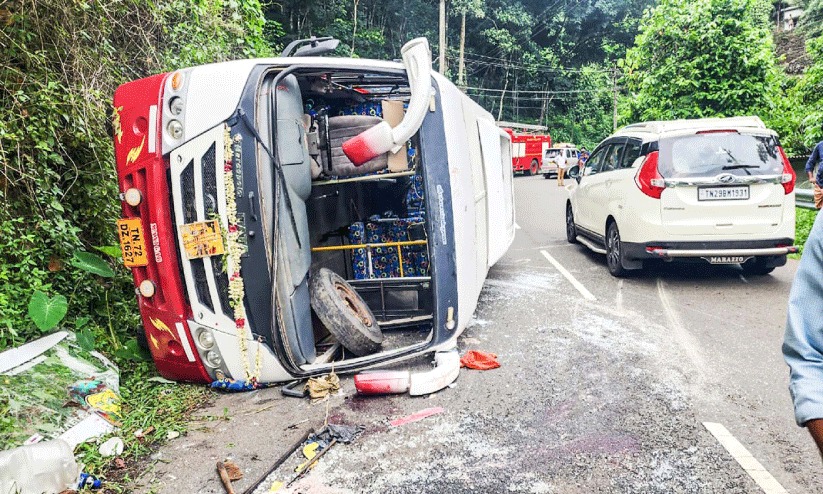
[(132, 242), (202, 239), (723, 193)]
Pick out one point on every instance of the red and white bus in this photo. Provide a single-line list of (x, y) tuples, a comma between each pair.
[(258, 194), (529, 144)]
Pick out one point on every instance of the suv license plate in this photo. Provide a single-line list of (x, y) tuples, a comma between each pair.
[(727, 259), (740, 192), (202, 239)]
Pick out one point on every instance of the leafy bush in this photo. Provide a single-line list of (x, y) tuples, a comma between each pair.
[(701, 58), (61, 62), (803, 225)]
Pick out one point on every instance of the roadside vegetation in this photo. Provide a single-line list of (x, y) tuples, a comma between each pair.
[(573, 69)]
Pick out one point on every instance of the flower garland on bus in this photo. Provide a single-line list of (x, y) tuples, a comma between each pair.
[(234, 251)]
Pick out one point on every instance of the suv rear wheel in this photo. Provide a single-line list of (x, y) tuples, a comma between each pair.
[(614, 252)]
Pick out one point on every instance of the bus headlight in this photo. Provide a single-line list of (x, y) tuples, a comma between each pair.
[(205, 339), (213, 359), (175, 129), (176, 105)]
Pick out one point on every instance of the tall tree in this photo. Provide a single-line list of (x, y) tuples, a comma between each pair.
[(701, 58)]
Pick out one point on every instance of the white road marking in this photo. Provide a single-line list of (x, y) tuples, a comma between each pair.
[(756, 471), (580, 288)]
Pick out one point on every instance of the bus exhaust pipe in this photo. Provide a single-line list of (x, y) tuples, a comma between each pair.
[(382, 138)]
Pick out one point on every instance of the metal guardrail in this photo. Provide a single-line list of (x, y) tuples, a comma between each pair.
[(804, 198)]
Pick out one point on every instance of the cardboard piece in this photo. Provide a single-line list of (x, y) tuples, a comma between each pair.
[(393, 113)]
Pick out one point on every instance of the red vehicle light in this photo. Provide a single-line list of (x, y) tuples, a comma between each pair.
[(789, 176), (648, 178)]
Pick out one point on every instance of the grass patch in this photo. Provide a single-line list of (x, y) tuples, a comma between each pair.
[(803, 225), (148, 405)]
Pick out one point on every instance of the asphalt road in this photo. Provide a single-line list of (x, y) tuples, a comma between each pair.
[(603, 395)]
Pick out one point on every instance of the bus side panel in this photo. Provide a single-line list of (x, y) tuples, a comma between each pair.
[(463, 204)]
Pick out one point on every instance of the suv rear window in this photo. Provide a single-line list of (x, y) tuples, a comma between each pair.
[(707, 155)]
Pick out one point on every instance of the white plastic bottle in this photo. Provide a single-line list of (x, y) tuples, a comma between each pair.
[(45, 467)]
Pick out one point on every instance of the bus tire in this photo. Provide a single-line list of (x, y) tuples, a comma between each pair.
[(344, 313)]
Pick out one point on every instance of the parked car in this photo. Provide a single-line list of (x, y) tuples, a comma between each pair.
[(287, 217), (717, 190), (548, 167)]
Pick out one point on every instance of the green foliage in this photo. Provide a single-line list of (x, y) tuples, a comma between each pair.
[(61, 62), (47, 312), (703, 58), (92, 263), (803, 226)]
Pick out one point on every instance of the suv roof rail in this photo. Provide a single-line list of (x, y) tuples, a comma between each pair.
[(659, 126)]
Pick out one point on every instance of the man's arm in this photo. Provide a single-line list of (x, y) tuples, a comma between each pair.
[(803, 341)]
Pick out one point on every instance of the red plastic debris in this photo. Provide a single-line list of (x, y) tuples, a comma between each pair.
[(426, 412), (475, 359), (380, 382)]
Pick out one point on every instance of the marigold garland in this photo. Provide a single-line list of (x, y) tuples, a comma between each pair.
[(234, 251)]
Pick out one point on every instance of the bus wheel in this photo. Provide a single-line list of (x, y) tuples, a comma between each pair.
[(344, 313)]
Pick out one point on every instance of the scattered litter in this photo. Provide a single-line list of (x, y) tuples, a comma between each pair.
[(323, 386), (141, 434), (160, 379), (475, 359), (427, 412), (172, 435), (235, 472), (342, 433), (276, 486), (309, 452), (279, 462), (119, 463), (47, 466), (112, 447), (311, 463), (382, 382), (88, 481), (58, 390), (228, 472)]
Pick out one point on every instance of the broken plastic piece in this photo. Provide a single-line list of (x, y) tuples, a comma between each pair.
[(446, 370), (382, 382), (428, 412)]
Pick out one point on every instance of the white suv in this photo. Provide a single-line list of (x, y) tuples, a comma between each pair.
[(717, 190)]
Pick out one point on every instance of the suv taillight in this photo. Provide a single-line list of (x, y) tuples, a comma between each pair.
[(648, 179), (789, 177)]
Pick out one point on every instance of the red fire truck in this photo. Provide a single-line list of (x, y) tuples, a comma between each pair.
[(529, 143)]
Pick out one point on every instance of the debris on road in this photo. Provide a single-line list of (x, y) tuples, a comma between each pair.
[(311, 463), (321, 387), (342, 433), (88, 481), (228, 472), (426, 412), (382, 382), (112, 447), (279, 462), (475, 359)]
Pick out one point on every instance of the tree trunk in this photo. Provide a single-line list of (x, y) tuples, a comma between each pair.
[(505, 85), (442, 64), (354, 28), (461, 72)]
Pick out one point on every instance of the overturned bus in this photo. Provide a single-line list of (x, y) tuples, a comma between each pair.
[(289, 216)]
